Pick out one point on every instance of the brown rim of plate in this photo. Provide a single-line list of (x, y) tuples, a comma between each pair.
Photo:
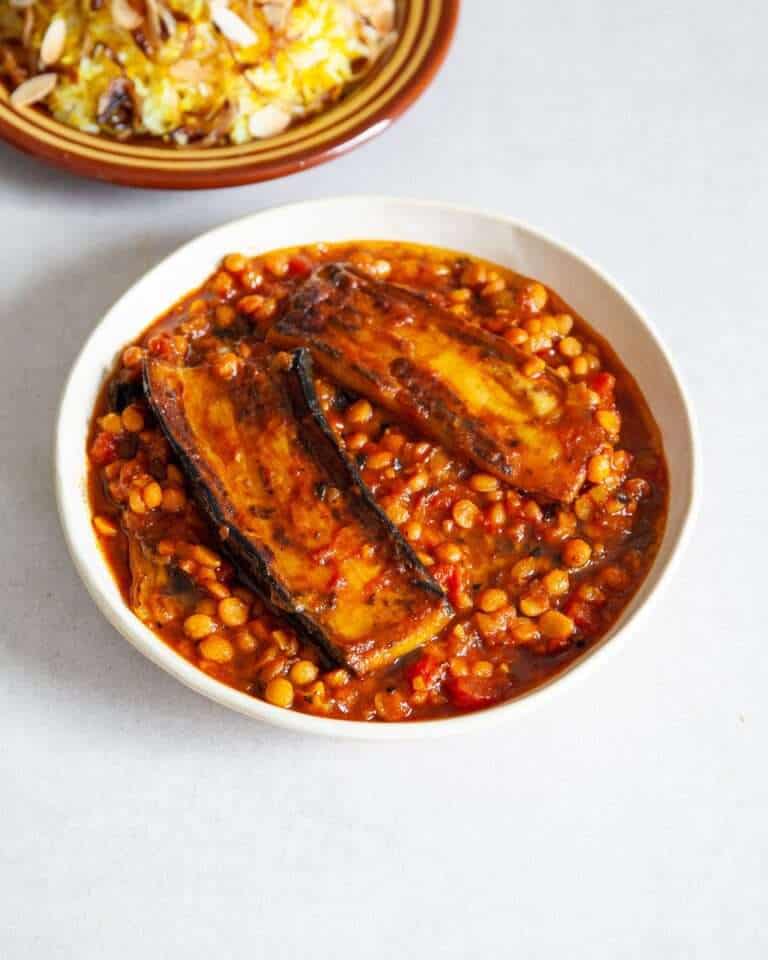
[(425, 31)]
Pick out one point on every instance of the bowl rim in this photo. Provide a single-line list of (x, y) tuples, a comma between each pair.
[(69, 498), (96, 156)]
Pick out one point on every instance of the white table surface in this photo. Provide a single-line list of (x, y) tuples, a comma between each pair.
[(139, 820)]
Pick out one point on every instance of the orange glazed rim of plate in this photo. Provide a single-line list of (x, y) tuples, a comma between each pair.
[(425, 31)]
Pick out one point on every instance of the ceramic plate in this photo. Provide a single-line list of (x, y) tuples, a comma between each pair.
[(425, 29)]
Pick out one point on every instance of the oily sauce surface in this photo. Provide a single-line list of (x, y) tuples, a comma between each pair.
[(534, 584)]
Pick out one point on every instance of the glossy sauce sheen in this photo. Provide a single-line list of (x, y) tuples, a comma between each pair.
[(536, 572)]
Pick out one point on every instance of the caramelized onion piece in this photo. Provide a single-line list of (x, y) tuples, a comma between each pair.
[(116, 107), (167, 20)]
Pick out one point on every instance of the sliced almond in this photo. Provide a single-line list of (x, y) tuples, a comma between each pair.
[(124, 15), (232, 26), (33, 90), (268, 121), (54, 39)]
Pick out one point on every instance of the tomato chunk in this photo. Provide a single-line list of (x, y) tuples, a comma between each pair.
[(299, 266), (427, 668), (450, 576), (104, 449), (603, 384), (584, 615), (471, 693)]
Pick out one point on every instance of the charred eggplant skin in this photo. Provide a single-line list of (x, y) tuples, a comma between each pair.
[(460, 384), (289, 400), (343, 470)]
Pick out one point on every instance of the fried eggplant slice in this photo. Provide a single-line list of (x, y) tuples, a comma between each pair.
[(291, 509), (458, 383)]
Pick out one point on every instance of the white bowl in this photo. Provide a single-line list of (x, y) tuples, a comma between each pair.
[(590, 292)]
